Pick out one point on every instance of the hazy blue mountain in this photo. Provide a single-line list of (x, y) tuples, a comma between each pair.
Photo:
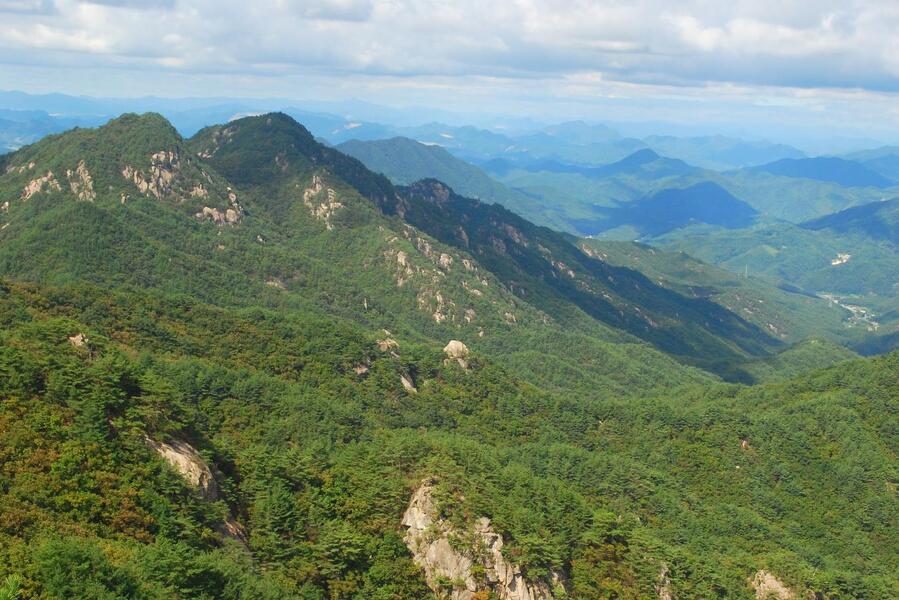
[(879, 220), (581, 133), (645, 164), (887, 165), (835, 170), (673, 208), (721, 152), (870, 153), (21, 127)]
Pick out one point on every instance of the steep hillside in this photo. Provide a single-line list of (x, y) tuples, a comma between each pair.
[(245, 366), (791, 316), (502, 244), (550, 272), (878, 220), (831, 169), (157, 448), (303, 238), (406, 161)]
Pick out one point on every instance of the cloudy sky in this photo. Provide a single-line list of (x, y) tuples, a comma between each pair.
[(762, 63)]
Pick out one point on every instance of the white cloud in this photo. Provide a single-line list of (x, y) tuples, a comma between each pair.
[(547, 48)]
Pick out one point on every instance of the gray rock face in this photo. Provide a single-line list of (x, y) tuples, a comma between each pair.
[(448, 566)]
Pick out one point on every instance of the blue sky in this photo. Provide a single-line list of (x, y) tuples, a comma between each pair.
[(761, 65)]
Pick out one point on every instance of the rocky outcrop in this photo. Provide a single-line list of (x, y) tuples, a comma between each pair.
[(185, 459), (769, 587), (466, 565), (158, 181), (78, 340), (38, 185), (227, 217), (457, 352), (81, 182), (188, 462), (408, 385), (387, 344), (663, 587), (20, 169), (321, 201)]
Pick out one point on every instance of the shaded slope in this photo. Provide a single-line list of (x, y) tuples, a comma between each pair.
[(790, 316), (831, 169), (547, 270), (879, 220), (673, 208), (538, 278)]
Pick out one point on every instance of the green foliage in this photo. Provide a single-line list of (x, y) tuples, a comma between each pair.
[(10, 588), (589, 451)]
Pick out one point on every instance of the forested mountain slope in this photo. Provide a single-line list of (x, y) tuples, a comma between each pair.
[(316, 454), (878, 220), (305, 238), (245, 366), (791, 315), (543, 269), (823, 168)]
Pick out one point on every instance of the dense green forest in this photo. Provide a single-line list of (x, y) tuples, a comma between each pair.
[(281, 317)]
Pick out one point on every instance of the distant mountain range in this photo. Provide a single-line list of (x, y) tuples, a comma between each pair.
[(830, 169)]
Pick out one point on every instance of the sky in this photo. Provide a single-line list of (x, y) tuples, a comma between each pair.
[(757, 66)]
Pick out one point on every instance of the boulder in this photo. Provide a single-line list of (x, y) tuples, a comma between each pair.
[(458, 352)]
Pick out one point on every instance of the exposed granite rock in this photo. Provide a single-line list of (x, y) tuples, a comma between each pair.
[(38, 185), (188, 462), (664, 584), (227, 217), (20, 169), (81, 183), (78, 340), (158, 181), (450, 566), (769, 587), (321, 201), (387, 344), (408, 385), (456, 351)]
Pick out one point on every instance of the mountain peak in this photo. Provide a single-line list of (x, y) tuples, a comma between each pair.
[(640, 157)]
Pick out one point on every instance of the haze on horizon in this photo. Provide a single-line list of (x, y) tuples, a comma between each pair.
[(786, 71)]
